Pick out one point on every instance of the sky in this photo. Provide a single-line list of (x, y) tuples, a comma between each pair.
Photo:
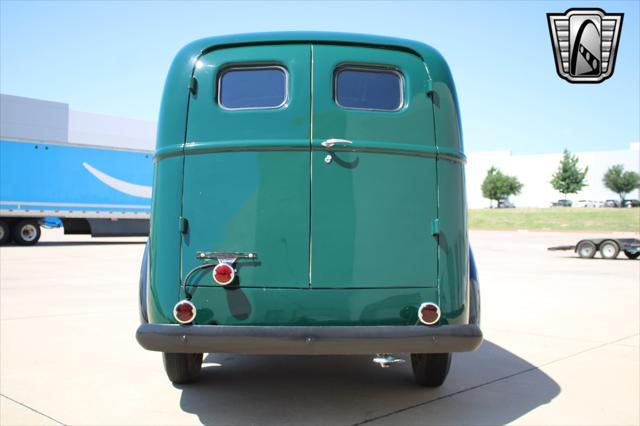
[(111, 57)]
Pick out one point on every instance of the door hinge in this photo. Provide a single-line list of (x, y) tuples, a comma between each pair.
[(193, 86), (435, 227), (428, 88), (183, 225)]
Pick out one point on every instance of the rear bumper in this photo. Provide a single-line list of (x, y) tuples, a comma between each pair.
[(308, 340)]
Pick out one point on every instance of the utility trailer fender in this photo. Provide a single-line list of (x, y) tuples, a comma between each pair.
[(609, 248)]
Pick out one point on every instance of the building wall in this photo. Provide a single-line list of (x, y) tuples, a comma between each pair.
[(535, 170), (44, 121), (33, 119), (86, 128)]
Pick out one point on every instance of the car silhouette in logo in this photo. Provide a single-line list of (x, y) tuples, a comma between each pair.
[(585, 43)]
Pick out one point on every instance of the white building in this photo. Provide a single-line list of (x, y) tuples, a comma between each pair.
[(34, 119), (534, 171)]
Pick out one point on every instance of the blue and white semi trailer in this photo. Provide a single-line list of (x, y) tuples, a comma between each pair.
[(87, 189)]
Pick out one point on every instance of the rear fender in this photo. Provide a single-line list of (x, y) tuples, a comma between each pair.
[(474, 291), (143, 285)]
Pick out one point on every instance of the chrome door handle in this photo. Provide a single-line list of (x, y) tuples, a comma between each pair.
[(329, 143)]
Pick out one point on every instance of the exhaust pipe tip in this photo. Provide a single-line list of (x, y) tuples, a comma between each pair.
[(386, 360)]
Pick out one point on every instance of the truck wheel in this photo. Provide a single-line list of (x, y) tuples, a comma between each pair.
[(5, 233), (609, 249), (430, 370), (26, 232), (182, 368), (586, 249), (632, 255)]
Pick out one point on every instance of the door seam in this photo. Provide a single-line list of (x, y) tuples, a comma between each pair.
[(310, 159)]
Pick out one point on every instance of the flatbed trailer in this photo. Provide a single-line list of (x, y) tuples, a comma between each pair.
[(609, 248)]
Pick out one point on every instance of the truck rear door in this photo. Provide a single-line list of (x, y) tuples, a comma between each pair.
[(374, 189), (247, 162)]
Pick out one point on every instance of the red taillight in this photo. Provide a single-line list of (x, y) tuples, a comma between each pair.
[(184, 312), (223, 273), (429, 313)]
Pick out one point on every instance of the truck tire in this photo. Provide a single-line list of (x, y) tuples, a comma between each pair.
[(632, 255), (26, 232), (430, 370), (5, 233), (182, 368), (609, 249), (586, 249)]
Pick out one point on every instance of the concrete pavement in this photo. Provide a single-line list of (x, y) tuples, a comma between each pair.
[(561, 347)]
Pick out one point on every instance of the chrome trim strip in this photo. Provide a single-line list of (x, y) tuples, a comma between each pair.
[(402, 149), (221, 74)]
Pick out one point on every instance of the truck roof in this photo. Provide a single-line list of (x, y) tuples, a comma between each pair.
[(174, 100)]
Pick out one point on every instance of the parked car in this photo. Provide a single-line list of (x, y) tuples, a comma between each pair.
[(505, 204), (271, 235), (585, 203), (612, 203), (561, 203), (631, 203)]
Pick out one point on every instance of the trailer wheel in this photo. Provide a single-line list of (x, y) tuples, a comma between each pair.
[(5, 233), (609, 249), (182, 368), (631, 255), (586, 249), (430, 370), (26, 232)]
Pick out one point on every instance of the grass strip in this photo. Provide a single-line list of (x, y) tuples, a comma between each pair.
[(557, 219)]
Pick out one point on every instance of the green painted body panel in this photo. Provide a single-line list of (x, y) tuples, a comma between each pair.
[(251, 199), (372, 211), (164, 240), (251, 306), (410, 170)]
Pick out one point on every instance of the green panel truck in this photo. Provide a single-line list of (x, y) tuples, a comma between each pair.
[(309, 198)]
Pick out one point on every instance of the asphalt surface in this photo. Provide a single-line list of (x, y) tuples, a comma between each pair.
[(561, 347)]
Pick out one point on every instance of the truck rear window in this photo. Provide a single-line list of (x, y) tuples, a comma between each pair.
[(368, 88), (252, 87)]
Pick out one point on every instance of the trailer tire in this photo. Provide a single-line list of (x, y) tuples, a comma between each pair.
[(586, 249), (430, 370), (5, 233), (632, 255), (182, 368), (609, 249), (26, 232)]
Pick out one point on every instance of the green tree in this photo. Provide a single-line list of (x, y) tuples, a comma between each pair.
[(497, 185), (620, 181), (569, 179)]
